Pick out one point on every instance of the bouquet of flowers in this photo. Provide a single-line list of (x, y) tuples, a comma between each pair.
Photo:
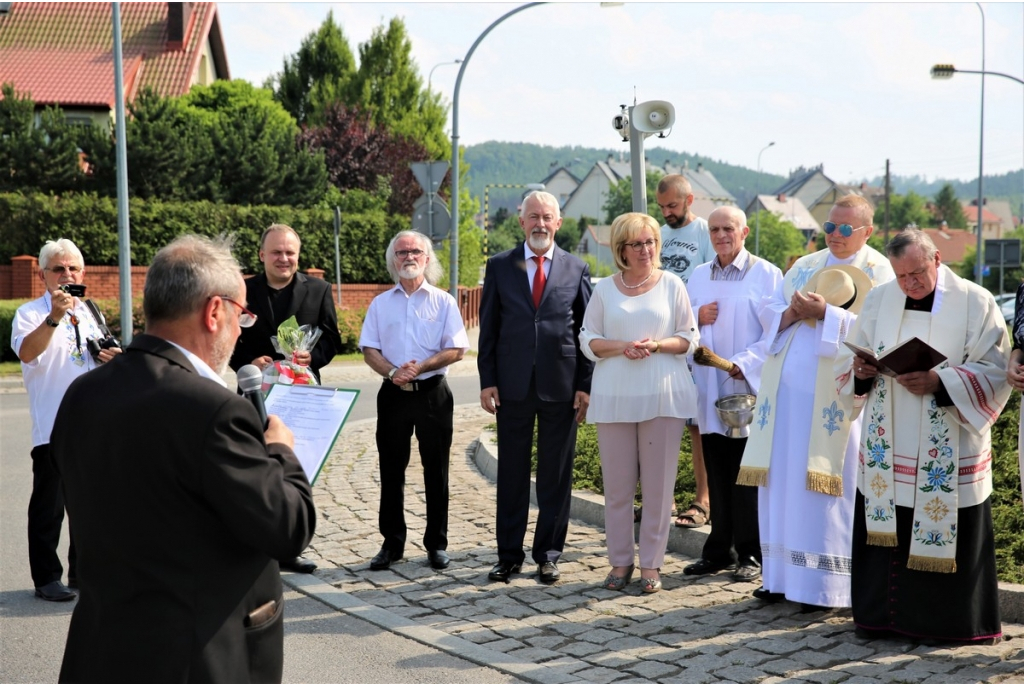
[(292, 338)]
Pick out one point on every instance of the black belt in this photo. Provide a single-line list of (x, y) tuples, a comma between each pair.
[(420, 385)]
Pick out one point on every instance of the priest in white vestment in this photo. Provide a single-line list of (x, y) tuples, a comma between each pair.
[(923, 547), (802, 447), (727, 293)]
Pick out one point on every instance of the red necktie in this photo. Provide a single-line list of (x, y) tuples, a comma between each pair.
[(538, 281)]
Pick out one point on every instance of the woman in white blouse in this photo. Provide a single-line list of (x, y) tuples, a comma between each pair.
[(638, 328)]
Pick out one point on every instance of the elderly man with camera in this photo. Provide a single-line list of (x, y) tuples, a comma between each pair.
[(58, 337)]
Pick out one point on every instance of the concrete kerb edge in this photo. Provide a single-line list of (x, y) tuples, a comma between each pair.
[(589, 508), (339, 600)]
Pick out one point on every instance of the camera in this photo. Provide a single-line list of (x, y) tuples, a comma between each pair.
[(95, 345), (73, 289)]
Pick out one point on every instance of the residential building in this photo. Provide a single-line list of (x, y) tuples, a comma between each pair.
[(590, 197), (61, 53), (991, 225), (788, 208)]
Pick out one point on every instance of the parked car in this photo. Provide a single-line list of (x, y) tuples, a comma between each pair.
[(1007, 307)]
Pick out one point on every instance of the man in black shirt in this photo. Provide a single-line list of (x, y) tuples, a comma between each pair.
[(277, 294)]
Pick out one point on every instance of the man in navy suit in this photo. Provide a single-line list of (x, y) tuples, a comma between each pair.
[(531, 368)]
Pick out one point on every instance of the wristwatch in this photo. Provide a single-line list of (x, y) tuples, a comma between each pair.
[(51, 323), (392, 372)]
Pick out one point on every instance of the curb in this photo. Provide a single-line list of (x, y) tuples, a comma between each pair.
[(589, 508)]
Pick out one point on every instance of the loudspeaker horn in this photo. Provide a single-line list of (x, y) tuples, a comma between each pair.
[(654, 116)]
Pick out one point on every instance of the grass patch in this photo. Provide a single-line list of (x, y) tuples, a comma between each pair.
[(10, 369)]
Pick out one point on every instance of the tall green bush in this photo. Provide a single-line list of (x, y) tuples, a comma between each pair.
[(28, 220)]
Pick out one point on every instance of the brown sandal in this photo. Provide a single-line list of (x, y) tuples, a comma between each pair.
[(694, 517)]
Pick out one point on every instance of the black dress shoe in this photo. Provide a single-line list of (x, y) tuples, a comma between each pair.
[(771, 597), (503, 570), (438, 558), (549, 572), (748, 571), (703, 567), (385, 557), (55, 592), (298, 565)]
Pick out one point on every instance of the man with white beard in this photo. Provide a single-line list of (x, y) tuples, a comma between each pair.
[(410, 336), (532, 371)]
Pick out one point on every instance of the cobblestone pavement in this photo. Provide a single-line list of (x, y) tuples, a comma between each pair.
[(698, 630)]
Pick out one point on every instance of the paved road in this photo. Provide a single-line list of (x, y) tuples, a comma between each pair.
[(321, 644), (455, 626)]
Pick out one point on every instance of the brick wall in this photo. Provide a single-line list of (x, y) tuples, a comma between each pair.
[(19, 280)]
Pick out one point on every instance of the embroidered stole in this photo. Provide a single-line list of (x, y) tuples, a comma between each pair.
[(933, 534), (829, 434)]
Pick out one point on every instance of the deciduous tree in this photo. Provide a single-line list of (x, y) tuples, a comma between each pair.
[(357, 153)]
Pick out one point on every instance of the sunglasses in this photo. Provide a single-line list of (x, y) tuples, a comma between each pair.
[(845, 230)]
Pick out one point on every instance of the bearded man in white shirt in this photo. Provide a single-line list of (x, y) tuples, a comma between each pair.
[(411, 334)]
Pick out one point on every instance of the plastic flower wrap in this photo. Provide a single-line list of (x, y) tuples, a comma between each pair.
[(292, 338)]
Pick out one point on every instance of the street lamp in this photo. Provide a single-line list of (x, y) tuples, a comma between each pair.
[(442, 64), (487, 214), (757, 198), (946, 71), (453, 284)]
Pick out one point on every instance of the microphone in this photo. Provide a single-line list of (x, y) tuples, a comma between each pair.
[(250, 382)]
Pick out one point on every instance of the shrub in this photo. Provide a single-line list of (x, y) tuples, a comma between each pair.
[(7, 309), (350, 324), (27, 221)]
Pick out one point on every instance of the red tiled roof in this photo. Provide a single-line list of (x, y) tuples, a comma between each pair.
[(971, 212), (62, 52), (952, 243)]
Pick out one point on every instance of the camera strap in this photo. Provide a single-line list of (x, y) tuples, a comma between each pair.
[(98, 316)]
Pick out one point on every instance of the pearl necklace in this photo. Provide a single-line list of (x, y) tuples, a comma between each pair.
[(622, 280)]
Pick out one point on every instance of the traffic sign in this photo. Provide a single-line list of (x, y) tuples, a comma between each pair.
[(435, 224), (429, 174)]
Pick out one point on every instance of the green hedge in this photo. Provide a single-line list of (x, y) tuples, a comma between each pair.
[(7, 309), (28, 220)]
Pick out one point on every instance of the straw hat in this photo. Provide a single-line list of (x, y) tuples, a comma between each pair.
[(841, 285)]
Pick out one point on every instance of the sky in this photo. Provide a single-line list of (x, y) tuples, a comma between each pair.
[(846, 85)]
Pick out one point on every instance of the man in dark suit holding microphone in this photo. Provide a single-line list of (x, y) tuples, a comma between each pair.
[(181, 502), (531, 368)]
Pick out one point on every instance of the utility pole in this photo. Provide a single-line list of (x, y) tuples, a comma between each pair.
[(887, 191)]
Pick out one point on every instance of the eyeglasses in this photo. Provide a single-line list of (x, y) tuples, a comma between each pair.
[(61, 269), (415, 254), (245, 317), (845, 230), (645, 245)]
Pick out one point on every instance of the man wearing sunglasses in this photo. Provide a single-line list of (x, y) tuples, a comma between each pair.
[(802, 449), (411, 334), (50, 336), (276, 295)]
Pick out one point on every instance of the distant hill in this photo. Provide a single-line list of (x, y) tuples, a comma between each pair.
[(501, 162), (498, 162), (1008, 186)]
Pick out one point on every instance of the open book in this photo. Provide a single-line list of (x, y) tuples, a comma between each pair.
[(907, 357)]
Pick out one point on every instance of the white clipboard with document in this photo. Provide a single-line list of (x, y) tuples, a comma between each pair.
[(315, 415)]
